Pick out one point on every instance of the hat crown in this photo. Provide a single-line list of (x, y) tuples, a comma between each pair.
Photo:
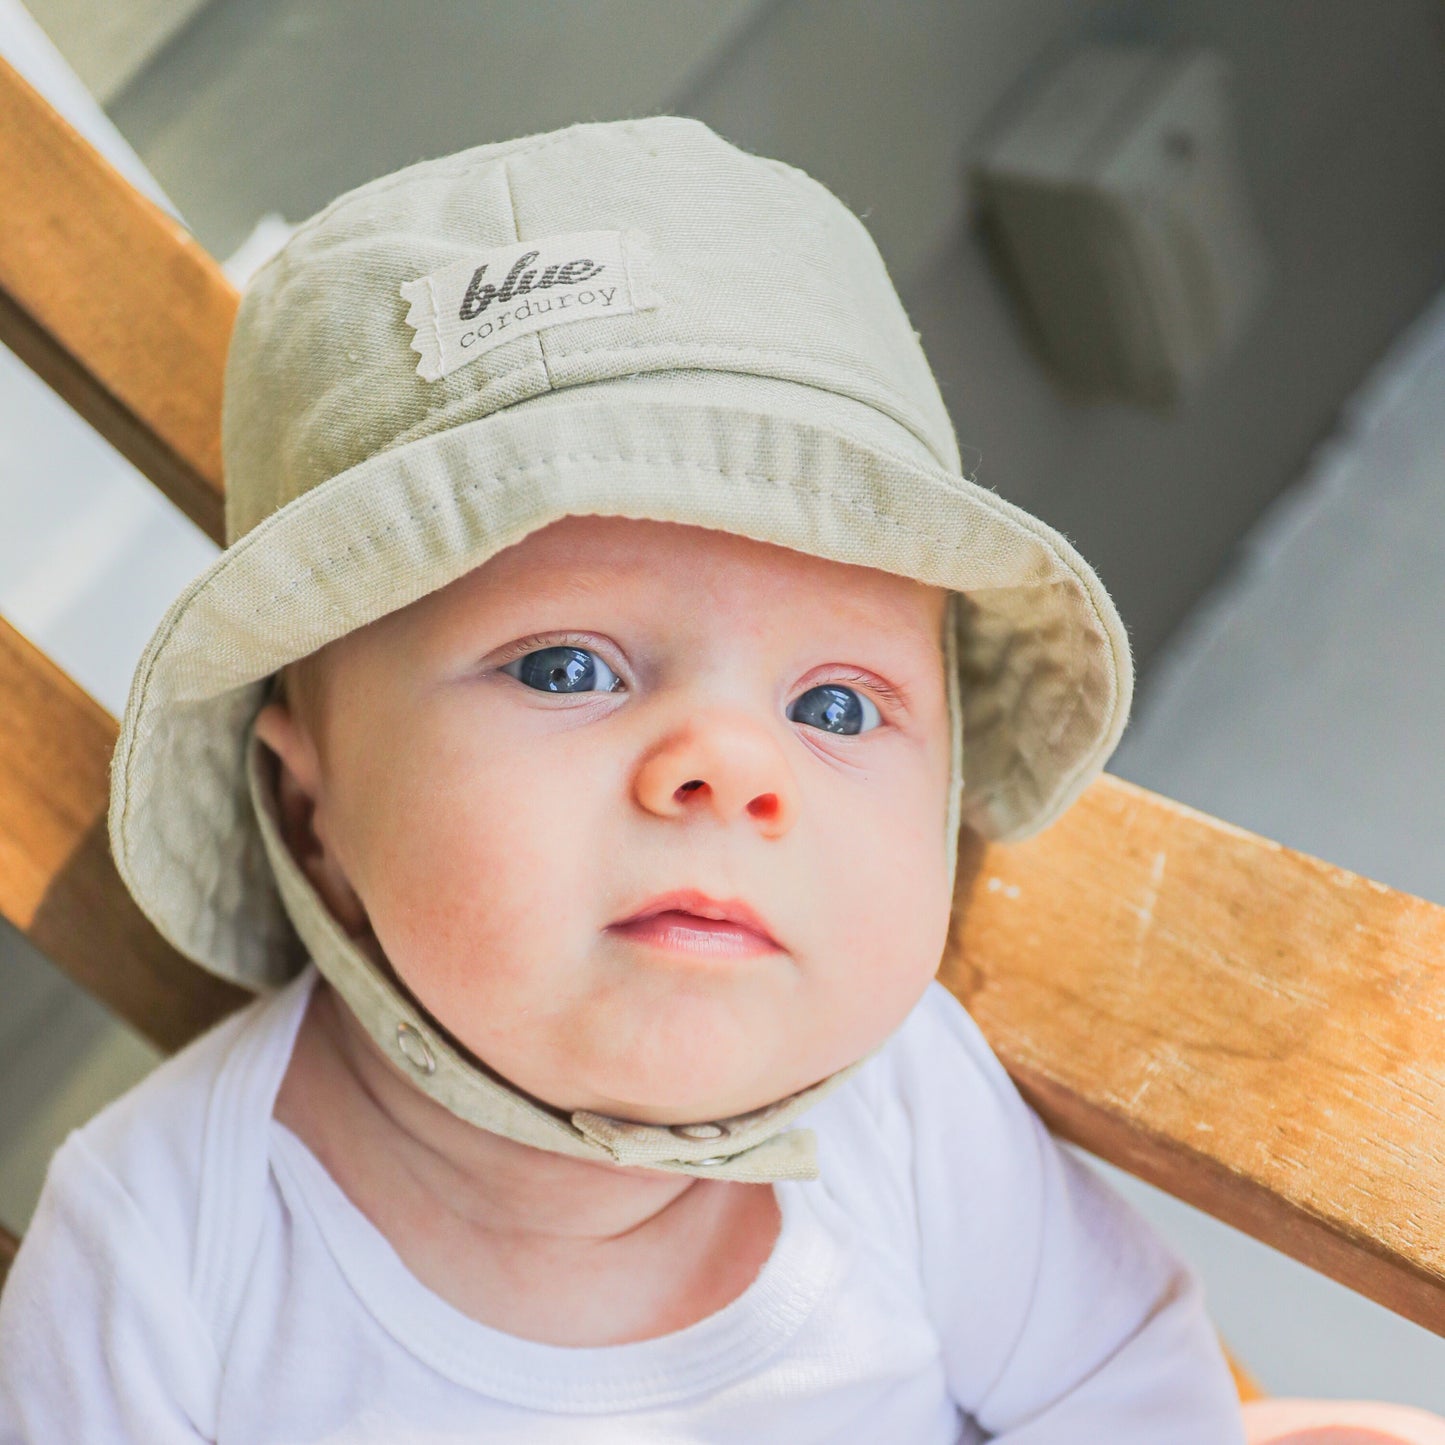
[(744, 264)]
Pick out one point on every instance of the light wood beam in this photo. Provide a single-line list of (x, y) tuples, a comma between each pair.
[(112, 303), (1254, 1030), (58, 884)]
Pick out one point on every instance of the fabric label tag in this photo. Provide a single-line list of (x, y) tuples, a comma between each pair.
[(464, 310)]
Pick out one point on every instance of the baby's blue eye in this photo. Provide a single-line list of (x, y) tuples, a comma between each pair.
[(835, 709), (563, 669)]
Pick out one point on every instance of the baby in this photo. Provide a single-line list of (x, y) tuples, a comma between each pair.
[(571, 749)]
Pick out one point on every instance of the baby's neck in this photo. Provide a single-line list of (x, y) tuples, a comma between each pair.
[(492, 1182), (520, 1238)]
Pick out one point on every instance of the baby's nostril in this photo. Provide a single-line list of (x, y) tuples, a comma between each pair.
[(688, 787), (765, 805)]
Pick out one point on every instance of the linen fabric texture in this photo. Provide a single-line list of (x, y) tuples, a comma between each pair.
[(763, 380)]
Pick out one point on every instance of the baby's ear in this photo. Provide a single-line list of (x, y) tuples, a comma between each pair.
[(288, 737), (298, 784)]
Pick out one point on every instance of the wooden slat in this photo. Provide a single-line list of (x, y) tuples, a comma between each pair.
[(58, 884), (112, 302), (1251, 1029)]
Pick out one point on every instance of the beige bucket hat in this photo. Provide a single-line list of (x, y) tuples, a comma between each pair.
[(630, 318)]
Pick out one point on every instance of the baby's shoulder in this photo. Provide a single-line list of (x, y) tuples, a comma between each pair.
[(190, 1123), (932, 1118), (938, 1059)]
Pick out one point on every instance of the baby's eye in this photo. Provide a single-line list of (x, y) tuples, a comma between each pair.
[(835, 709), (563, 669)]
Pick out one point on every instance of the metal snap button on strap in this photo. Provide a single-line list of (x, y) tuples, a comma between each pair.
[(415, 1049), (699, 1131)]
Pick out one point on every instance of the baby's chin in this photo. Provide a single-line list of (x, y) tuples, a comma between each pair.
[(655, 1047), (682, 1108), (669, 1083)]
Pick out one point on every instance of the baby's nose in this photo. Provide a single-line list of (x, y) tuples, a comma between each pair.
[(733, 769), (765, 805)]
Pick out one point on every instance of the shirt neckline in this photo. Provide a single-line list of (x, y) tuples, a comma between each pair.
[(705, 1355)]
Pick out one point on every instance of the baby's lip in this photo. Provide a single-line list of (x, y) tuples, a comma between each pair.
[(690, 900)]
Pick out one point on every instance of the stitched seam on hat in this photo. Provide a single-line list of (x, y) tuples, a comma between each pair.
[(809, 366), (466, 162), (540, 351), (538, 463), (435, 421)]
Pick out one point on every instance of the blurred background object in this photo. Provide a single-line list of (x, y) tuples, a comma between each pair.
[(108, 45), (1274, 539), (1113, 206)]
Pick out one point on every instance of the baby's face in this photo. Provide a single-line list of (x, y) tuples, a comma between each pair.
[(609, 711)]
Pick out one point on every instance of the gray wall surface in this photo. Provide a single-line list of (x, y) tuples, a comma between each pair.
[(1341, 114)]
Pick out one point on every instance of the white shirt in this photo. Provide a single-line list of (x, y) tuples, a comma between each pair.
[(192, 1272)]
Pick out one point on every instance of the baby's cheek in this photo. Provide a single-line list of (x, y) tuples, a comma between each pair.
[(890, 922), (488, 907)]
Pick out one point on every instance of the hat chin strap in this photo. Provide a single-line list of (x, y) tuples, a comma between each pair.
[(753, 1148)]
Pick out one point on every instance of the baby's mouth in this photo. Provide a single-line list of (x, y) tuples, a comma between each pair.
[(687, 933), (692, 903), (690, 921)]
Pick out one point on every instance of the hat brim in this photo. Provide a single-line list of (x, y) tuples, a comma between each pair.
[(1045, 674)]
